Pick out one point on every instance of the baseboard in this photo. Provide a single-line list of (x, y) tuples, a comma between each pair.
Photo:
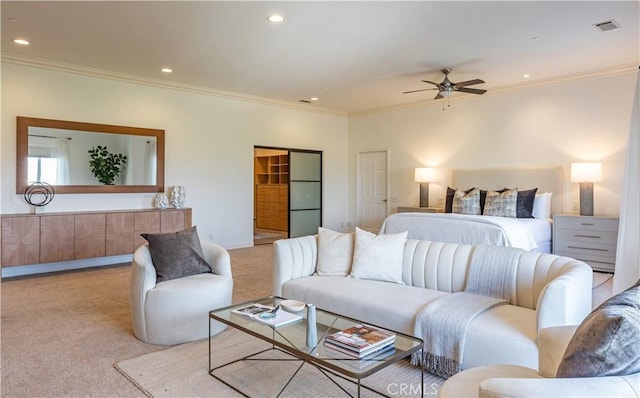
[(8, 272)]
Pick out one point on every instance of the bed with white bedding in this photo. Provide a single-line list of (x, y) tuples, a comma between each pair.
[(531, 234)]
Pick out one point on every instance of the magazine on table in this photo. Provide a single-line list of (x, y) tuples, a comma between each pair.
[(361, 338), (273, 316), (381, 349)]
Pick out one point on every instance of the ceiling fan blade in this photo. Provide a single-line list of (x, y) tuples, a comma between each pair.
[(469, 83), (430, 82), (469, 90), (415, 91), (438, 96)]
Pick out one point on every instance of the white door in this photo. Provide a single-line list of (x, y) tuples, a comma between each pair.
[(372, 190)]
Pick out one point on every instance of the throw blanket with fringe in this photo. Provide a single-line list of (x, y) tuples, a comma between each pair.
[(442, 324)]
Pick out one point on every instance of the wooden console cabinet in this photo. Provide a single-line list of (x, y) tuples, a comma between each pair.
[(45, 238)]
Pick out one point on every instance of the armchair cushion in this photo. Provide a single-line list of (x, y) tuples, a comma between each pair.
[(176, 254), (606, 342)]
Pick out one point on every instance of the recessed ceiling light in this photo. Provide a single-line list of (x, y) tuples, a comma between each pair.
[(314, 99), (167, 70), (22, 42), (526, 76), (275, 18), (13, 19)]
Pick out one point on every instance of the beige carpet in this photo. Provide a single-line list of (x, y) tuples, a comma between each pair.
[(181, 371)]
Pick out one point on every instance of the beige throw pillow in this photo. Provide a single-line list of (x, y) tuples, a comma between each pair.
[(335, 252), (378, 257)]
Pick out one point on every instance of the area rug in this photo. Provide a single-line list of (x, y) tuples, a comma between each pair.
[(182, 371)]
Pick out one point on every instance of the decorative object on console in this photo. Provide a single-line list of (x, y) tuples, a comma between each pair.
[(424, 175), (38, 195), (586, 174), (104, 165), (178, 196), (161, 201)]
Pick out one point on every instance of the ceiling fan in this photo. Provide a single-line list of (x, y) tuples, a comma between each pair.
[(446, 87)]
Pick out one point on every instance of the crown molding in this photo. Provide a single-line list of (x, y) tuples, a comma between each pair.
[(159, 83), (609, 71)]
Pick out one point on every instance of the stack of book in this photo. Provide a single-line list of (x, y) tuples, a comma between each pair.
[(361, 340)]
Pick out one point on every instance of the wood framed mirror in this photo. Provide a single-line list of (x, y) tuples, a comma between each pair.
[(58, 152)]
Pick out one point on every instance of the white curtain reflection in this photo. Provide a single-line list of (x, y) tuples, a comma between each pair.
[(150, 164), (63, 174)]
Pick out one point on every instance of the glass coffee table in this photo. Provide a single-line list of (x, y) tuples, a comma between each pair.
[(292, 339)]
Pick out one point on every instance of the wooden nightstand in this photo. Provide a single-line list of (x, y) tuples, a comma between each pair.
[(404, 209), (591, 239)]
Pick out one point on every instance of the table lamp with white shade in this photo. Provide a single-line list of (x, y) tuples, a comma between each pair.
[(424, 175), (586, 174)]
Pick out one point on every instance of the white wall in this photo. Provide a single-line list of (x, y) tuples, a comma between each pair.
[(551, 125), (209, 144)]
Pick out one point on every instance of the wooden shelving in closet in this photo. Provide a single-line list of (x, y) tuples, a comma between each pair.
[(272, 195)]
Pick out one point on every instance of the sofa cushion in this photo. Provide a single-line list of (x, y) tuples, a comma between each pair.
[(361, 299), (176, 254), (335, 252), (378, 257), (606, 342), (510, 327)]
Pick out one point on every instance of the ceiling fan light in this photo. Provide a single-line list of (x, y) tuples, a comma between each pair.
[(446, 93)]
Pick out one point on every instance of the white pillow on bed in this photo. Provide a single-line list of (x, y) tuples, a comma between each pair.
[(378, 257), (335, 252), (542, 205)]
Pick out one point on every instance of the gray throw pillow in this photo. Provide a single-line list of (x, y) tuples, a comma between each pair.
[(176, 254), (606, 342)]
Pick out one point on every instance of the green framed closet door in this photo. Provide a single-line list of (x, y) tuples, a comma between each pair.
[(305, 192)]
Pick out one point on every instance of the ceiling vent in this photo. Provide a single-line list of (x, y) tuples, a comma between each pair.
[(607, 25)]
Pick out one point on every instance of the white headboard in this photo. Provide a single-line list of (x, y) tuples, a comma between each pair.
[(546, 180)]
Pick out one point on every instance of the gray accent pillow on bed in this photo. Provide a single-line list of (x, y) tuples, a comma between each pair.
[(176, 254), (606, 342), (501, 204), (467, 202)]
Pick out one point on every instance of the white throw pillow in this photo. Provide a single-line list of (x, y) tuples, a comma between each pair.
[(335, 252), (378, 257), (542, 205)]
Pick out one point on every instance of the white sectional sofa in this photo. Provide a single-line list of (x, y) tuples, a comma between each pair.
[(549, 291)]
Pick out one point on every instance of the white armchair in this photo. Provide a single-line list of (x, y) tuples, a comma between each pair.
[(519, 381), (177, 310)]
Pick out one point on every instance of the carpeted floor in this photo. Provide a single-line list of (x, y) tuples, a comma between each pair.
[(61, 334)]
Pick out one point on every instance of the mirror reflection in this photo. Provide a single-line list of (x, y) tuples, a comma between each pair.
[(78, 157), (62, 157)]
